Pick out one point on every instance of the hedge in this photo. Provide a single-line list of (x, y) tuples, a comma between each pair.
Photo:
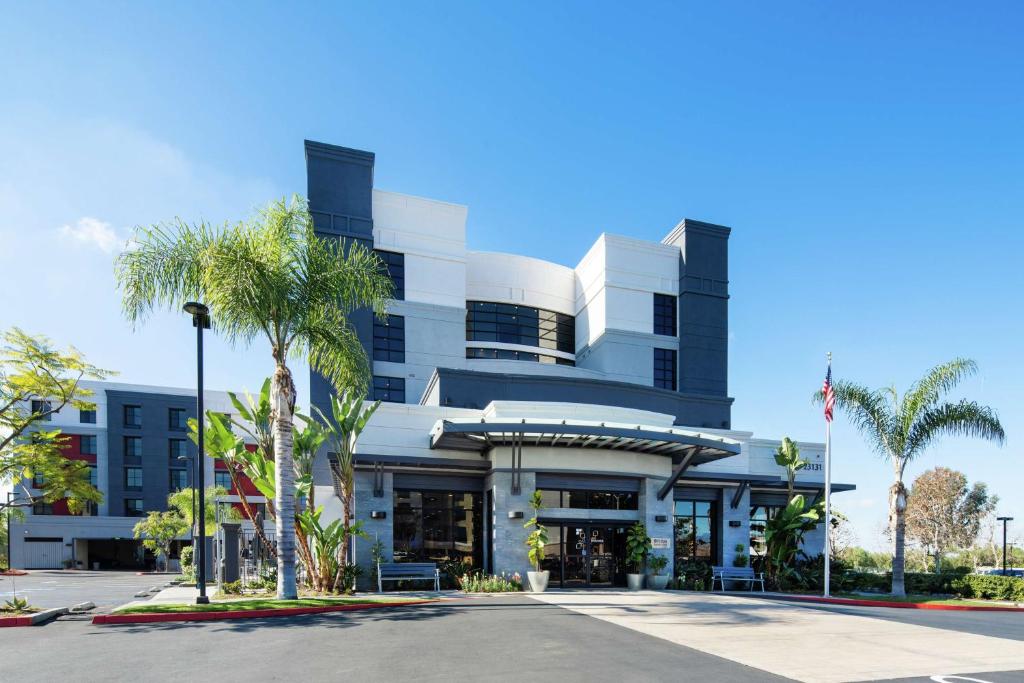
[(947, 583)]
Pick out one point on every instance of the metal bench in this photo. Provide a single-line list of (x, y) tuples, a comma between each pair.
[(408, 571), (723, 574)]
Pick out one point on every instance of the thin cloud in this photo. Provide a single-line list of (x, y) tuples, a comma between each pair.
[(94, 233)]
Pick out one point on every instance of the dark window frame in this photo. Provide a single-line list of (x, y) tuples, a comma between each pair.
[(42, 508), (87, 417), (131, 510), (171, 424), (389, 339), (585, 499), (388, 389), (218, 481), (171, 445), (394, 266), (439, 526), (132, 439), (91, 439), (134, 410), (694, 542), (42, 406), (128, 485), (491, 321), (665, 315), (666, 368), (173, 474)]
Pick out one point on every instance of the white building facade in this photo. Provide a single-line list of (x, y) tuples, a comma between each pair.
[(604, 386)]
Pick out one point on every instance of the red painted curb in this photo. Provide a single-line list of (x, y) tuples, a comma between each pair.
[(895, 605), (241, 614), (15, 621)]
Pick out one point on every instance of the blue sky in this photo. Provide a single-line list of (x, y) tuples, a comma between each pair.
[(869, 157)]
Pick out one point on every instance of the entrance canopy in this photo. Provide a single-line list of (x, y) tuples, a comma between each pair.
[(684, 447)]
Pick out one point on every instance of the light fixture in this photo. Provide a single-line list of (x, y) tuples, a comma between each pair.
[(515, 514)]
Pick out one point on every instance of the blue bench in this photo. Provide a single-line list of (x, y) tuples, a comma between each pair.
[(408, 571), (747, 574)]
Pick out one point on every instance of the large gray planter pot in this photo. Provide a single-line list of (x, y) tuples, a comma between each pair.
[(656, 582), (538, 580), (634, 582)]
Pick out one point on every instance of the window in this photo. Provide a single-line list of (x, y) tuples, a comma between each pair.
[(507, 354), (88, 444), (665, 369), (389, 339), (513, 324), (41, 508), (178, 480), (133, 478), (394, 264), (38, 481), (222, 479), (133, 507), (665, 315), (589, 500), (434, 526), (133, 446), (695, 531), (133, 416), (177, 418), (388, 389), (87, 417), (177, 448), (759, 516), (39, 407), (92, 475)]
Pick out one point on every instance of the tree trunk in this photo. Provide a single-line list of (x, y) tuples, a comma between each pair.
[(283, 404), (898, 522)]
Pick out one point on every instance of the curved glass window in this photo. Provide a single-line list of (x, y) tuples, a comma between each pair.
[(514, 324), (507, 354)]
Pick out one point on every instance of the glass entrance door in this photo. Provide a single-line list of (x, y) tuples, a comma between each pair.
[(591, 555)]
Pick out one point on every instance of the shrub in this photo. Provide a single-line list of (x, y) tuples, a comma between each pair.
[(947, 583), (482, 583), (690, 573), (657, 564), (989, 587), (188, 567), (231, 588)]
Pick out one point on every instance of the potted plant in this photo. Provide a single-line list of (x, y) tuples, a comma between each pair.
[(536, 541), (638, 545), (740, 559), (657, 564)]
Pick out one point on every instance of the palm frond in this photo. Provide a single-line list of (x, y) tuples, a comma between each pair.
[(163, 267), (870, 412), (929, 390), (965, 418)]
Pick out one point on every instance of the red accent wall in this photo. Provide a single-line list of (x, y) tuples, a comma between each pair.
[(248, 488), (72, 450)]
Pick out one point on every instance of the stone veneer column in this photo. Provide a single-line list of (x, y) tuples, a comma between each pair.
[(376, 529), (651, 507), (508, 535), (731, 536)]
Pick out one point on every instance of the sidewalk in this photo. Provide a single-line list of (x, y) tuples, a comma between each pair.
[(168, 596)]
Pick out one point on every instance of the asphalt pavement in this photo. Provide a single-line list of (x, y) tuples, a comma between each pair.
[(64, 588)]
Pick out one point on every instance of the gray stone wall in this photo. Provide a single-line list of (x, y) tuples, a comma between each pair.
[(733, 536), (376, 529), (508, 535), (650, 508)]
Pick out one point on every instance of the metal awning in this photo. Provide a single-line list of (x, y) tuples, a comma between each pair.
[(684, 447)]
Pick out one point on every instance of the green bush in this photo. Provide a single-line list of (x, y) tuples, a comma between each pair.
[(188, 567), (482, 583), (989, 587), (231, 588), (947, 583)]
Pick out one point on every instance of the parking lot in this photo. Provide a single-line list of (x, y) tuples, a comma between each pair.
[(58, 588)]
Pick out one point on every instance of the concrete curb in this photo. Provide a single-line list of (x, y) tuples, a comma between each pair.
[(153, 618), (856, 602), (35, 619)]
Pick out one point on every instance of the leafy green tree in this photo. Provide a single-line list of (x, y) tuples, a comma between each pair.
[(180, 504), (785, 530), (349, 416), (159, 530), (901, 428), (944, 513), (31, 369), (273, 278)]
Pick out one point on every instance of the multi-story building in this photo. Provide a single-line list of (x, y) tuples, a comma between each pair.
[(137, 446), (604, 386)]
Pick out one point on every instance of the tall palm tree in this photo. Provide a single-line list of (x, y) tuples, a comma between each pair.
[(269, 277), (900, 429)]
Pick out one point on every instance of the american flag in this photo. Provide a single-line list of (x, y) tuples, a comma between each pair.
[(830, 396)]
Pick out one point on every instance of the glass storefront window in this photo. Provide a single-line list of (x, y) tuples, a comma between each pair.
[(438, 526), (590, 500), (696, 534), (759, 516)]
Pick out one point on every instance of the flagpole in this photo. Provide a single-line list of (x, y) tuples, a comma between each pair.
[(828, 492)]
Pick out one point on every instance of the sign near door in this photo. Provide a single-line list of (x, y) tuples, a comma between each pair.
[(660, 543)]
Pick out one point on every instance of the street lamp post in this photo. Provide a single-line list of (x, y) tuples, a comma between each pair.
[(1004, 520), (201, 321)]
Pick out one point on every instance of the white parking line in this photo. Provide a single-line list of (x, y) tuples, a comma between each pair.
[(947, 678)]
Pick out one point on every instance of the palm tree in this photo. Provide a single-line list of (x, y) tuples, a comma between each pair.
[(901, 428), (269, 277)]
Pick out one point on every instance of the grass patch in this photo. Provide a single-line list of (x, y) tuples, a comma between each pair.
[(929, 599), (246, 605)]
